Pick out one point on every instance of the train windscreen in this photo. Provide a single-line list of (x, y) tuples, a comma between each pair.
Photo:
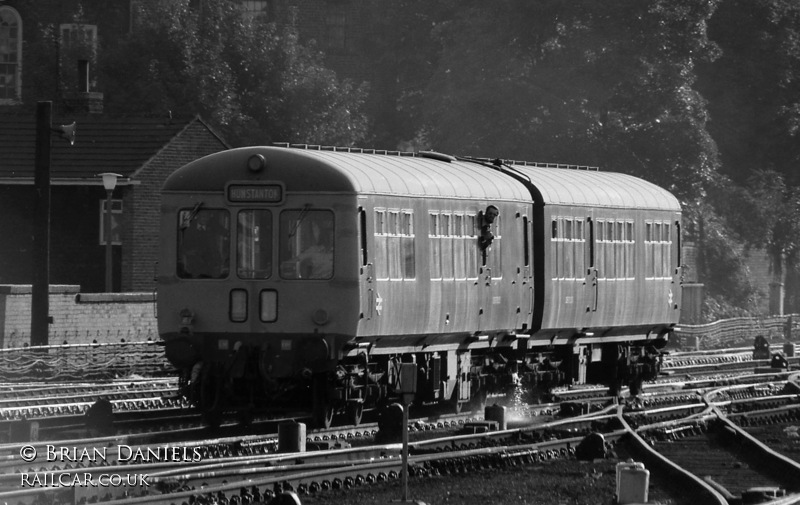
[(306, 244), (254, 244), (203, 243)]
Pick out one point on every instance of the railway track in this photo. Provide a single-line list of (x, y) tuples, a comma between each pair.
[(249, 477), (245, 469)]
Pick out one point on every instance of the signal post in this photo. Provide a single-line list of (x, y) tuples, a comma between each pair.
[(408, 388)]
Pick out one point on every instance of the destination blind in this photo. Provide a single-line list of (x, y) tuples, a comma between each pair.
[(263, 193)]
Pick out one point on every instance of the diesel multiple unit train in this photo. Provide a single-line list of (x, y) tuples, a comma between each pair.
[(303, 277)]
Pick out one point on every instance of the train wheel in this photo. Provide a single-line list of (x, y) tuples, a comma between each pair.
[(478, 402), (321, 405), (211, 397), (355, 411), (323, 416), (455, 406)]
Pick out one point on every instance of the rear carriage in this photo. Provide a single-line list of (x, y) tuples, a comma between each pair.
[(608, 267)]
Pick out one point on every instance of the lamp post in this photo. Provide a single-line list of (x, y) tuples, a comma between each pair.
[(109, 182)]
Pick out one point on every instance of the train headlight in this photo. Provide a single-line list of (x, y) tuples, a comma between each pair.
[(320, 317), (256, 163), (269, 306)]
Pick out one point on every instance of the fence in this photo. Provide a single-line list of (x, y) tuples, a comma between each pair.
[(738, 332)]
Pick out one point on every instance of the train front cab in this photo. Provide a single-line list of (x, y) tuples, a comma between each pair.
[(257, 290)]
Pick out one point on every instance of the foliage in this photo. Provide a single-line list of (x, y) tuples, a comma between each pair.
[(722, 262), (765, 213), (404, 51), (581, 82), (754, 87), (628, 86), (252, 79), (754, 99)]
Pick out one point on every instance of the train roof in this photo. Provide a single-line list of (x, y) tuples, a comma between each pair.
[(562, 186), (429, 175), (351, 172)]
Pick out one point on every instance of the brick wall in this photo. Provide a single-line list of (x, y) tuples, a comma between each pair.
[(78, 318), (142, 203)]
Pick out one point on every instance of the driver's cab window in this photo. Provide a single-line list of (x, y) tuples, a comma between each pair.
[(203, 243), (306, 244)]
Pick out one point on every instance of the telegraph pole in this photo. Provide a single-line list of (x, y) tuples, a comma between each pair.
[(40, 289), (40, 294)]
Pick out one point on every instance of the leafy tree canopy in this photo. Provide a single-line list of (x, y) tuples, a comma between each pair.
[(583, 82), (252, 79)]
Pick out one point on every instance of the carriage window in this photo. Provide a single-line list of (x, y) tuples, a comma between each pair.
[(434, 233), (580, 248), (393, 242), (568, 248), (494, 259), (409, 269), (254, 244), (306, 244), (459, 255), (381, 251), (619, 248), (203, 243), (611, 272), (658, 250), (605, 248), (525, 242), (471, 245), (447, 245), (362, 233), (630, 257), (394, 245)]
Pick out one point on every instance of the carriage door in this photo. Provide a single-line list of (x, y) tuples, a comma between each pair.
[(490, 273), (526, 304), (590, 282), (677, 270), (366, 270)]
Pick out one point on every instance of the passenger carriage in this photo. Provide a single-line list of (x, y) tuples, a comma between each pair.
[(306, 276)]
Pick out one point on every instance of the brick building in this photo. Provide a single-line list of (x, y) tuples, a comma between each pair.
[(46, 39), (144, 151)]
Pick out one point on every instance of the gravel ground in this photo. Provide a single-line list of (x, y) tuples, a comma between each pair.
[(783, 438), (567, 482)]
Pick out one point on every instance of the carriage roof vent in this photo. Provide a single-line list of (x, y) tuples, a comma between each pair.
[(437, 156), (550, 165), (431, 155), (341, 149)]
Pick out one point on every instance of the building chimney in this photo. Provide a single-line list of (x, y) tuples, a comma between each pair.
[(82, 100)]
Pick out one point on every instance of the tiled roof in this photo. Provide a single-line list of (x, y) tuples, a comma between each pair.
[(102, 144)]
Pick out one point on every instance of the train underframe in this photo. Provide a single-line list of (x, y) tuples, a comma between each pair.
[(456, 379)]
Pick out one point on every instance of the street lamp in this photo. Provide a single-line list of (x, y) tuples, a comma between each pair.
[(109, 182)]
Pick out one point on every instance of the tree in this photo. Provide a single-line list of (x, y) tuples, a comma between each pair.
[(252, 79), (581, 82), (754, 87), (754, 101)]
